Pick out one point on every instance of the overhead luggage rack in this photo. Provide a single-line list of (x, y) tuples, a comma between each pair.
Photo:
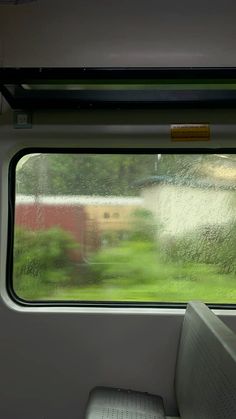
[(86, 88)]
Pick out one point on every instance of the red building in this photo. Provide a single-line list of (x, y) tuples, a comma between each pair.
[(33, 215)]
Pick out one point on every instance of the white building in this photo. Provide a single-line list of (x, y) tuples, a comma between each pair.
[(181, 205)]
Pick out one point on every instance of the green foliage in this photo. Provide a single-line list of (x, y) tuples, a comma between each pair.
[(105, 174), (138, 262), (83, 174), (214, 245), (142, 259), (132, 260), (42, 259), (134, 257), (134, 268), (144, 227)]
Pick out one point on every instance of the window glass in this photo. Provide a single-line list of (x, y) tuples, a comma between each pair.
[(125, 227)]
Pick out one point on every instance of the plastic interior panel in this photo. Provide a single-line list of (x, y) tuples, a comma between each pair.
[(206, 366), (112, 403)]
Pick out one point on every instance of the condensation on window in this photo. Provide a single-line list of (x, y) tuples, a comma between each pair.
[(125, 227)]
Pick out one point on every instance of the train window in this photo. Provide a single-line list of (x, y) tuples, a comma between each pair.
[(170, 236)]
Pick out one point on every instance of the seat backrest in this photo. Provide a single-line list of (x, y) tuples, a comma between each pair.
[(206, 366)]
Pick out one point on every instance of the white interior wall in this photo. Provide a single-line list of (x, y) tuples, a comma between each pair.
[(50, 362), (119, 33), (51, 358)]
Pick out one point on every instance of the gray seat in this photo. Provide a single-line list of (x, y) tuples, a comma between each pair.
[(205, 379), (206, 366), (113, 403)]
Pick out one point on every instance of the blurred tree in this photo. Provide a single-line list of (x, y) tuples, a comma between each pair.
[(107, 174), (83, 174)]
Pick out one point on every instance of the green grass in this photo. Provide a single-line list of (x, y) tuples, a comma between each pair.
[(136, 271), (216, 288)]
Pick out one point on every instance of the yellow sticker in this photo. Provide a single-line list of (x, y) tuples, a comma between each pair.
[(190, 132)]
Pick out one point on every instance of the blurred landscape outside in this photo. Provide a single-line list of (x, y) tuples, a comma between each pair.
[(122, 227)]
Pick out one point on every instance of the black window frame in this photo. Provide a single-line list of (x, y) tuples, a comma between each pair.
[(12, 81)]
